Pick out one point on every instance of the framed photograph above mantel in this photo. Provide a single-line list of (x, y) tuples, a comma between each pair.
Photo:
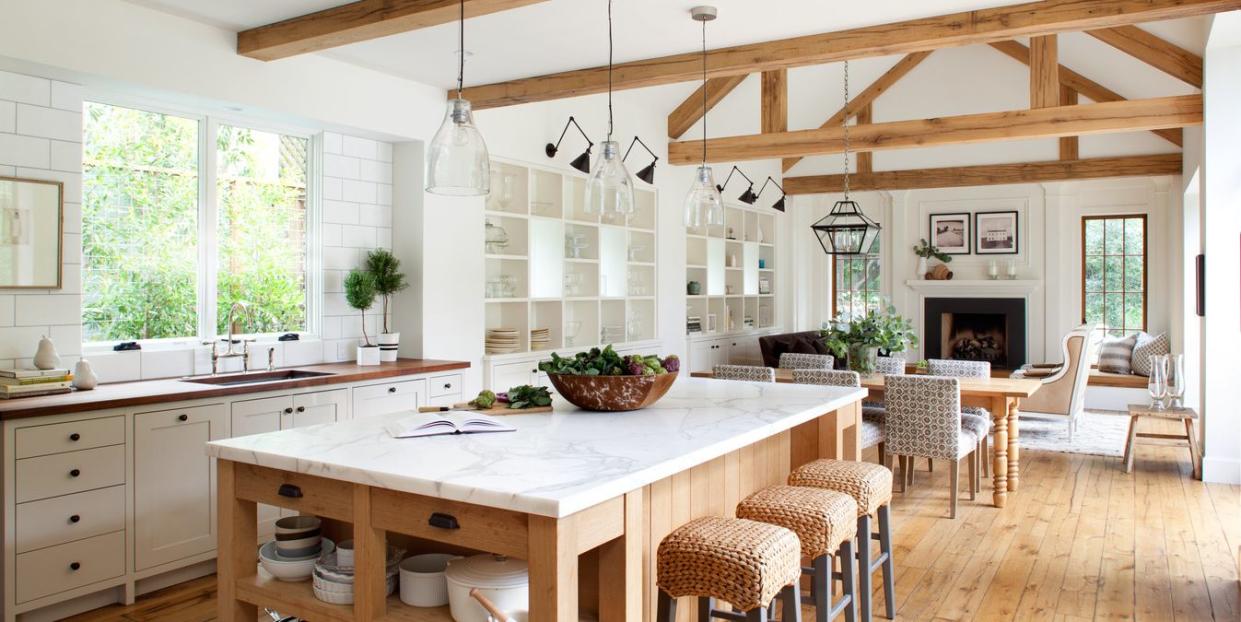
[(31, 233), (950, 232), (996, 233)]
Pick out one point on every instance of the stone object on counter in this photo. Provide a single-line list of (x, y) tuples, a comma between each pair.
[(84, 378), (46, 357)]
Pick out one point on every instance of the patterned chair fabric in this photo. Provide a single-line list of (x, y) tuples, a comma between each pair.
[(979, 426), (872, 433), (749, 373), (828, 377), (958, 369), (924, 418), (797, 360), (890, 365)]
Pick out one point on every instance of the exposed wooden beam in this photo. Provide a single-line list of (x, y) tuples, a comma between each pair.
[(1150, 49), (1126, 116), (1081, 84), (865, 159), (775, 101), (685, 115), (358, 21), (990, 174), (869, 94), (956, 29), (1068, 144), (1044, 72)]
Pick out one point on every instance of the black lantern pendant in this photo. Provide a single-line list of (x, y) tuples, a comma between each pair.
[(846, 230)]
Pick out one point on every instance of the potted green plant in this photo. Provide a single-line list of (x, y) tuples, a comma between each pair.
[(360, 294), (385, 269), (925, 250), (860, 340)]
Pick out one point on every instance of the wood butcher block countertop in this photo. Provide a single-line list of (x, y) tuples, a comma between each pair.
[(144, 392)]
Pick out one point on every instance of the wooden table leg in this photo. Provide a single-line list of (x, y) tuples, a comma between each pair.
[(370, 551), (238, 554), (1191, 434), (553, 569), (1129, 444), (999, 465), (620, 568), (1014, 451)]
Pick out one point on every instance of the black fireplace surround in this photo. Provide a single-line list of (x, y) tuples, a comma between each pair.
[(984, 329)]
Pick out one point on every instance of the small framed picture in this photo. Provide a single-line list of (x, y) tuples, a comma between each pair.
[(764, 286), (996, 233), (951, 233)]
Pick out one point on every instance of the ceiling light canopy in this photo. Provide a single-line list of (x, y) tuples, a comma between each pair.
[(457, 160), (703, 204)]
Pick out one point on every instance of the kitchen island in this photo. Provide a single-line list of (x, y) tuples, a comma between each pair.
[(565, 483)]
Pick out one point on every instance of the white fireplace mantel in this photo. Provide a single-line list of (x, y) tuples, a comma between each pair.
[(975, 288)]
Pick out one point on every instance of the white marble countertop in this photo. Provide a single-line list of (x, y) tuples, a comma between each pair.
[(557, 463)]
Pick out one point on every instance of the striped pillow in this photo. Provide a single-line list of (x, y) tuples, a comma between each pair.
[(1148, 346), (1116, 353)]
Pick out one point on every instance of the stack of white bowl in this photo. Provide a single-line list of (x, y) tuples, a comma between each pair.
[(298, 545), (333, 573)]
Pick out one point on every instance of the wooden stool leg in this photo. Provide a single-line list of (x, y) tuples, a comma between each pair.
[(864, 586), (822, 591), (790, 603), (666, 610), (883, 454), (1191, 434), (1129, 445), (757, 614), (848, 581), (705, 605), (954, 477), (889, 566)]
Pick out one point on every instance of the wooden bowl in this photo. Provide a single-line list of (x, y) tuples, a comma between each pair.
[(612, 393)]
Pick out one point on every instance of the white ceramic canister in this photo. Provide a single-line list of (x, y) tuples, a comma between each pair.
[(422, 579), (504, 581)]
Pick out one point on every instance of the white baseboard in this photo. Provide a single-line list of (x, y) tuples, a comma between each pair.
[(1221, 470)]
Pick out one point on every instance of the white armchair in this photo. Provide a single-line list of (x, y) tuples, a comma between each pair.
[(1063, 394)]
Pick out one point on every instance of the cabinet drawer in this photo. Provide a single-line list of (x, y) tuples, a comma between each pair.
[(302, 493), (445, 385), (73, 436), (503, 532), (76, 471), (508, 375), (389, 397), (59, 568), (71, 517)]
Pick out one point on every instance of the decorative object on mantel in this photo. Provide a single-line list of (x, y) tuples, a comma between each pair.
[(581, 162), (996, 233), (703, 205), (993, 270), (1012, 270), (950, 232), (385, 269), (609, 191), (859, 341), (939, 273), (925, 250), (360, 294), (457, 160), (84, 378), (603, 380), (846, 230), (45, 357)]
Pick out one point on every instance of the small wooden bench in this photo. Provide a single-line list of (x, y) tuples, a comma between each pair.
[(1186, 416)]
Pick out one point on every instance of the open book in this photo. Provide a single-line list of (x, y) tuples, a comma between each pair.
[(450, 422)]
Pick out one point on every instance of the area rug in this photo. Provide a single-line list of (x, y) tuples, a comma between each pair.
[(1099, 433)]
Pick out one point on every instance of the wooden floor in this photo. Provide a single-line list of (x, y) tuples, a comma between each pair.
[(1082, 540)]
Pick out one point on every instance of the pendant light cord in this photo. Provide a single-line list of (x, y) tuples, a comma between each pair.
[(609, 70), (846, 124), (704, 92), (461, 51)]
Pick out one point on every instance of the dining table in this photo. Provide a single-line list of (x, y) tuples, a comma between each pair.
[(1000, 396)]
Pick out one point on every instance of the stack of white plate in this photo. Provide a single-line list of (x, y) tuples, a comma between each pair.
[(333, 582), (612, 333), (503, 340), (540, 338)]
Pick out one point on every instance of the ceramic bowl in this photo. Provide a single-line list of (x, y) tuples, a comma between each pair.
[(289, 569), (295, 527), (422, 579)]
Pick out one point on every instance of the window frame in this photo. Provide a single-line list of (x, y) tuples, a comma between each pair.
[(209, 123), (835, 289), (1145, 268)]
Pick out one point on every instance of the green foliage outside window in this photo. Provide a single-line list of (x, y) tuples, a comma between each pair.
[(1114, 261)]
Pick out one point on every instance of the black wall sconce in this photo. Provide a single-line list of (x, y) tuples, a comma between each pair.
[(646, 173), (582, 162), (748, 197), (779, 204)]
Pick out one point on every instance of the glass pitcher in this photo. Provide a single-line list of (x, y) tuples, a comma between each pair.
[(1157, 384)]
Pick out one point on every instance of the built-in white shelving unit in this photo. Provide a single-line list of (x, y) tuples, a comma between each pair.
[(734, 267), (588, 279)]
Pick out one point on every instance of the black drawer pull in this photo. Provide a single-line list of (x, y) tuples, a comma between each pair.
[(301, 409), (290, 490), (391, 389), (443, 521), (447, 385), (74, 566), (183, 417), (75, 473), (288, 411), (75, 518), (75, 437)]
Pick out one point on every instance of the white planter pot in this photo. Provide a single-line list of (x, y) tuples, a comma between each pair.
[(922, 267), (368, 355), (389, 343)]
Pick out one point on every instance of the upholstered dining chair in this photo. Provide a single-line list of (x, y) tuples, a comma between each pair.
[(872, 425), (1063, 394), (749, 373), (890, 365), (976, 419), (797, 360), (924, 419)]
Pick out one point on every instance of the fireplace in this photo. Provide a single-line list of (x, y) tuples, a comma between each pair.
[(976, 329)]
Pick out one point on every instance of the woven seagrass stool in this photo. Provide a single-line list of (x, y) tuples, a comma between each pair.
[(741, 562), (825, 522), (870, 485)]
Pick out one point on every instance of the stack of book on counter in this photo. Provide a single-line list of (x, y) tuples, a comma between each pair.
[(31, 382)]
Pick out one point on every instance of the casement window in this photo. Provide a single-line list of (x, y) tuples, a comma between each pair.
[(855, 284), (184, 215), (1114, 272)]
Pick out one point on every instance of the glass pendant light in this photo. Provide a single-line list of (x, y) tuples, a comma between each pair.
[(609, 191), (457, 161), (703, 204), (846, 230)]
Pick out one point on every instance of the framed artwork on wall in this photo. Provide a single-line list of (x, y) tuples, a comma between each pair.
[(951, 233), (31, 233), (996, 233)]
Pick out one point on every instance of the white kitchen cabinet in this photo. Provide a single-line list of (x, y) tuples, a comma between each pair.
[(388, 397), (508, 375), (261, 415), (316, 408), (174, 483), (705, 354)]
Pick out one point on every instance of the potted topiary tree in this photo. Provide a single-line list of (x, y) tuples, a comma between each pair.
[(385, 269), (360, 294)]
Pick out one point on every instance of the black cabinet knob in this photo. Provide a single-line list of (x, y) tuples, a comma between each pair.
[(447, 385), (301, 409), (183, 417), (391, 389), (74, 566), (75, 437), (75, 473), (75, 518), (288, 411)]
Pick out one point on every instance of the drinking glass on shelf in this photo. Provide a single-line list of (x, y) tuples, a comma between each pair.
[(508, 286), (1158, 382), (507, 181), (572, 283), (1175, 378), (571, 330)]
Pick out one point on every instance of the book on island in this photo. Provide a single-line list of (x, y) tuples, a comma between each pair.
[(32, 373), (450, 422)]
